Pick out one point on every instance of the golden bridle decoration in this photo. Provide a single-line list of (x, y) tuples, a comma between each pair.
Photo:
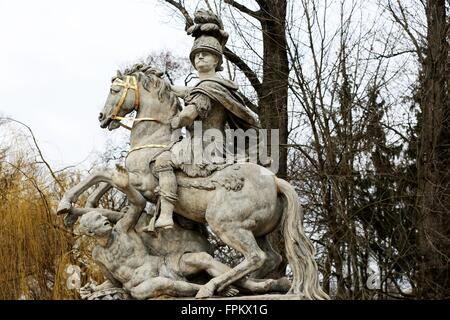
[(127, 84)]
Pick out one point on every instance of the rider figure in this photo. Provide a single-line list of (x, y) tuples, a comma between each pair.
[(213, 100)]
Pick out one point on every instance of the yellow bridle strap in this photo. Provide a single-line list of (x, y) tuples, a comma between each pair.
[(124, 126), (133, 120), (136, 94), (136, 119), (127, 85), (148, 146)]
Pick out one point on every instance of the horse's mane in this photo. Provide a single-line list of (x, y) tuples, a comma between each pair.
[(151, 79)]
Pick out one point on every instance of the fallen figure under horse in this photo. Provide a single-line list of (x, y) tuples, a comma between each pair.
[(126, 262)]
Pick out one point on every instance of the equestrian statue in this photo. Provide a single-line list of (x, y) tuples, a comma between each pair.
[(189, 180)]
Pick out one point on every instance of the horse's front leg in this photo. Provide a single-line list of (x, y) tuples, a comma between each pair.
[(95, 196), (72, 195)]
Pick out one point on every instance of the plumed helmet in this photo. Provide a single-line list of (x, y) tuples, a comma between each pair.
[(209, 35)]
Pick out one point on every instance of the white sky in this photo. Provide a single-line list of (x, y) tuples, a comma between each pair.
[(57, 59)]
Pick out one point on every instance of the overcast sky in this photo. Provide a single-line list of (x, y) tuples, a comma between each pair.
[(57, 59)]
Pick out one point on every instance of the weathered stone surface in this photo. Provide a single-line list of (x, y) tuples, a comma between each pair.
[(110, 294), (252, 297)]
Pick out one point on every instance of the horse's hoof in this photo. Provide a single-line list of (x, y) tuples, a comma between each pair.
[(64, 207), (204, 292)]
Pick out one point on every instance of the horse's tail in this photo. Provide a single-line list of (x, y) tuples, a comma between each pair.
[(299, 249)]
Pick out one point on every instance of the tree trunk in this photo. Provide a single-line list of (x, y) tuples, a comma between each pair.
[(273, 94), (433, 198), (274, 87)]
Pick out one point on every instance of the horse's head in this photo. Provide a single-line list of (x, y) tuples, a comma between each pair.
[(140, 87), (122, 99)]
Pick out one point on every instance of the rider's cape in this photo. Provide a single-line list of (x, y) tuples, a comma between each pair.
[(226, 93)]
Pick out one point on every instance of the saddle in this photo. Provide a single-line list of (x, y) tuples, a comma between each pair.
[(182, 160)]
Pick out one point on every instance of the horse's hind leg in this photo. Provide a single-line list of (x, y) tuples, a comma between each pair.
[(242, 240), (273, 258), (192, 263)]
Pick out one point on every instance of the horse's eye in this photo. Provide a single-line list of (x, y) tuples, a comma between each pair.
[(114, 90)]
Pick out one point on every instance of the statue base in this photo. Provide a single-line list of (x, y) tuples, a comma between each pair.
[(249, 297), (120, 294)]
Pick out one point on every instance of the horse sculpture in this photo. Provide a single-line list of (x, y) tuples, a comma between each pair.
[(242, 203)]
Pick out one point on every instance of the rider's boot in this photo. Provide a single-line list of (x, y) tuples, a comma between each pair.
[(168, 189)]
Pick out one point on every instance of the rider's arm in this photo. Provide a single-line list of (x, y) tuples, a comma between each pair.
[(185, 117), (198, 106), (181, 91)]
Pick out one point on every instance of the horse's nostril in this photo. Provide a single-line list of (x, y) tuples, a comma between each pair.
[(100, 116)]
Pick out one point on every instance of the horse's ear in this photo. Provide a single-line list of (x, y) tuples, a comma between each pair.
[(119, 74)]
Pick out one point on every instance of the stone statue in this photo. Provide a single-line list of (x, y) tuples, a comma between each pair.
[(241, 202), (213, 100)]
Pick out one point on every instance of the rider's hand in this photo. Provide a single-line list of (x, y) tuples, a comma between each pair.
[(180, 91), (185, 118)]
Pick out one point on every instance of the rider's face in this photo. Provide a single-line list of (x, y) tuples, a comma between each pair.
[(205, 61)]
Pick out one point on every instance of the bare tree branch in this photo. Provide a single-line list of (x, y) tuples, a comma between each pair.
[(249, 73), (403, 22), (208, 5), (40, 152), (244, 9), (392, 55), (182, 9), (250, 104)]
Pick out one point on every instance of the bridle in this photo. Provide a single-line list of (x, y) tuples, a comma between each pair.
[(127, 84), (133, 86)]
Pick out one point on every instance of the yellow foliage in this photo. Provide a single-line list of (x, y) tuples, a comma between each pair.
[(35, 248)]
